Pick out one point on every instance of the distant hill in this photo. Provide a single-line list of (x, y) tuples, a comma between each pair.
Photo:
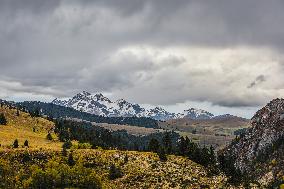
[(215, 124), (217, 131), (98, 104)]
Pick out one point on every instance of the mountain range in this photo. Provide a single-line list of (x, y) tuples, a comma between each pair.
[(98, 104)]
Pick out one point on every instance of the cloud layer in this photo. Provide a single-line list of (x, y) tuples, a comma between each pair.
[(225, 53)]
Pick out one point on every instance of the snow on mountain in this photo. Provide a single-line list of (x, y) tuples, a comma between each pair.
[(100, 105), (193, 113), (159, 113)]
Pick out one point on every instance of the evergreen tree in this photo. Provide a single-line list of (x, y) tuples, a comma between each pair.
[(35, 112), (26, 143), (162, 154), (154, 145), (212, 155), (182, 147), (16, 143), (167, 142), (64, 151), (3, 120), (71, 161)]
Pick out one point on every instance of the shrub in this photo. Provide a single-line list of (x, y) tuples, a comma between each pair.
[(6, 174), (82, 146), (67, 144), (115, 172), (49, 136), (58, 175)]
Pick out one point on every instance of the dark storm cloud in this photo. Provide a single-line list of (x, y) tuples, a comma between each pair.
[(127, 47), (259, 79)]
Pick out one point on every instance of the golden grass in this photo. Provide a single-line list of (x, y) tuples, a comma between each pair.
[(24, 127)]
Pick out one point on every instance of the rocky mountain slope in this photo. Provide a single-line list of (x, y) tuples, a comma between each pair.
[(100, 105), (259, 152)]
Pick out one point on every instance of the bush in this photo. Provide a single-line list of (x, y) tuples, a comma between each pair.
[(114, 172), (57, 175), (82, 146), (49, 136), (67, 144), (6, 175)]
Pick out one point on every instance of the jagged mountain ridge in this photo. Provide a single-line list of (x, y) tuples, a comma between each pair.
[(98, 104), (259, 151)]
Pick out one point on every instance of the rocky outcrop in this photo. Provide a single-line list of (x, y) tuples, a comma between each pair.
[(260, 151)]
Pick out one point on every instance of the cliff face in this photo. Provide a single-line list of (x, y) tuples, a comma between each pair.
[(260, 151)]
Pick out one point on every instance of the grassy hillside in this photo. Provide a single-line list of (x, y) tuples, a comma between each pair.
[(92, 168), (23, 127)]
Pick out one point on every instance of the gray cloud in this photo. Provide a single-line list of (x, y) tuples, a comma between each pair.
[(259, 79), (153, 51)]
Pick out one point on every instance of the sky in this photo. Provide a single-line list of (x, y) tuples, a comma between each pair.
[(219, 55)]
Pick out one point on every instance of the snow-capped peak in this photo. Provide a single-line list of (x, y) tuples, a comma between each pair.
[(100, 105), (193, 113)]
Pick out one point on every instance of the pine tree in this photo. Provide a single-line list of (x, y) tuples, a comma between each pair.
[(212, 155), (162, 154), (16, 143), (3, 120), (71, 161), (182, 147), (26, 143), (154, 145), (167, 142), (64, 152)]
